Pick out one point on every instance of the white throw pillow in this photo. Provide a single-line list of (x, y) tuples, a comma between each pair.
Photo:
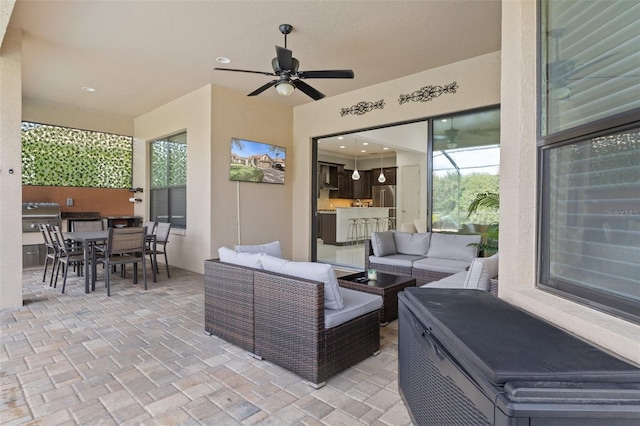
[(412, 243), (383, 243), (453, 246), (312, 271), (272, 249), (481, 271), (251, 260)]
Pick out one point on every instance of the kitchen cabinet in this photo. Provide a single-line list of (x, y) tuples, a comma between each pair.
[(362, 186), (389, 173), (327, 222), (345, 185)]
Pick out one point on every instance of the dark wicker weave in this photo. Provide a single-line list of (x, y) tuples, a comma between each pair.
[(424, 276), (228, 303), (289, 331), (281, 319), (494, 286)]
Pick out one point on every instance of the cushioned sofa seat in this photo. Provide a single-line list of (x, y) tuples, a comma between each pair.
[(426, 256), (479, 276), (442, 265), (356, 304), (400, 260)]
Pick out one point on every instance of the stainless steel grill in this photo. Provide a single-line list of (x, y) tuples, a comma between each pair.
[(33, 214)]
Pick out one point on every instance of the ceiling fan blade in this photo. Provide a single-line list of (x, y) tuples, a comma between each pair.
[(326, 74), (308, 90), (253, 72), (591, 63), (285, 58), (263, 88)]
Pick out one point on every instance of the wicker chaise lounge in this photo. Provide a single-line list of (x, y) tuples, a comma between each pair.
[(281, 319)]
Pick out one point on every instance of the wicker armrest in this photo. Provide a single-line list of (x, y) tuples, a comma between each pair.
[(289, 318), (228, 303), (368, 251)]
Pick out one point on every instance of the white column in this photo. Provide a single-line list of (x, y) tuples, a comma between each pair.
[(10, 170)]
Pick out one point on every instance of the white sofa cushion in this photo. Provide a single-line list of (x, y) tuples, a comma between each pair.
[(412, 243), (251, 260), (356, 303), (441, 265), (272, 248), (383, 243), (453, 246), (312, 271), (403, 260), (481, 271)]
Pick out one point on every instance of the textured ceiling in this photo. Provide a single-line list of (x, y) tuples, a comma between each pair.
[(139, 55)]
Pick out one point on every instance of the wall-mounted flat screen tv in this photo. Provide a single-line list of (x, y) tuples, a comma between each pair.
[(257, 162)]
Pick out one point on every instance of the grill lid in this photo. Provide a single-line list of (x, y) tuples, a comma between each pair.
[(40, 210)]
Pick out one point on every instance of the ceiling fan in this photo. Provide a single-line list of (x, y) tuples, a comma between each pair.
[(450, 136), (285, 67), (561, 72)]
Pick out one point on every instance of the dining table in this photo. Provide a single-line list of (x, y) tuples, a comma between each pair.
[(87, 239)]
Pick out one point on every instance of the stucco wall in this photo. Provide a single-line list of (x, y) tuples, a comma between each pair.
[(187, 248), (479, 86), (10, 169), (518, 196), (264, 210), (212, 116)]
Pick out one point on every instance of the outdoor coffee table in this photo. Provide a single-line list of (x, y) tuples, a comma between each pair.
[(386, 285)]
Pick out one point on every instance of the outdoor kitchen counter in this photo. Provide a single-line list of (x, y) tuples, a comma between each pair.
[(343, 214)]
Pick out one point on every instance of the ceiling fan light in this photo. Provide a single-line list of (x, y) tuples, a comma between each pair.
[(285, 88)]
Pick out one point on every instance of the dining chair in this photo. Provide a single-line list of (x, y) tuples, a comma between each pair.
[(124, 246), (150, 225), (52, 252), (68, 256), (162, 239)]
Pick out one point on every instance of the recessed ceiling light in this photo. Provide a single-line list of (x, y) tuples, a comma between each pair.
[(364, 150), (385, 148), (365, 143), (223, 60), (444, 120), (88, 89), (340, 138), (342, 147)]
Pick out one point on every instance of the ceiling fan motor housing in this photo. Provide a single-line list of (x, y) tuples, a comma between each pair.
[(275, 64)]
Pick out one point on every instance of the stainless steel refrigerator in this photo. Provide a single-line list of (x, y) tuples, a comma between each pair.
[(384, 195)]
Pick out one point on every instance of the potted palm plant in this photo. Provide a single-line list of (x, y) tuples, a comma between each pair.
[(487, 200)]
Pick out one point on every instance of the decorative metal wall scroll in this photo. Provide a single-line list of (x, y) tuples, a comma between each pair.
[(362, 108), (427, 93)]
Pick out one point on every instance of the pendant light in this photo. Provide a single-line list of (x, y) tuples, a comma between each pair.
[(381, 178), (355, 175)]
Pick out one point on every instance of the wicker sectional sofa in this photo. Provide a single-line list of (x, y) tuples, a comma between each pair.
[(282, 319), (427, 257)]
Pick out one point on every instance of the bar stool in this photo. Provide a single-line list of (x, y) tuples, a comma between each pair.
[(377, 224), (352, 230), (365, 228)]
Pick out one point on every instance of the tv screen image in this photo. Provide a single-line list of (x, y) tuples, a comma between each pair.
[(257, 162)]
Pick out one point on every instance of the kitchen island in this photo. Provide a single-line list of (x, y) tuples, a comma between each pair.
[(344, 214)]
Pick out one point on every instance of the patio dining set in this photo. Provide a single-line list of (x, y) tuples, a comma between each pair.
[(89, 245)]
